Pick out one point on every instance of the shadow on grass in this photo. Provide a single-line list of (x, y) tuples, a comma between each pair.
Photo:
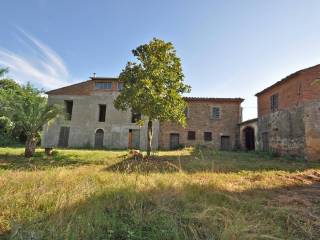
[(190, 211), (40, 161), (206, 160)]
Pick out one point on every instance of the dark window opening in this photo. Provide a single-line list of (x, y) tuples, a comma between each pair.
[(215, 113), (135, 117), (68, 107), (102, 112), (207, 136), (191, 135), (274, 102)]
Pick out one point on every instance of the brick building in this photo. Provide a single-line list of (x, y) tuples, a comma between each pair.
[(210, 121), (289, 115), (92, 120)]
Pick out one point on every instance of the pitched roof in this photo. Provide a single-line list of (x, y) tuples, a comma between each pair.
[(302, 71), (211, 99), (81, 88), (105, 78), (248, 121)]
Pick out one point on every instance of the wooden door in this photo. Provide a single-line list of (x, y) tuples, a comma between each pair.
[(64, 137), (134, 139), (98, 141), (225, 143), (174, 141), (265, 141)]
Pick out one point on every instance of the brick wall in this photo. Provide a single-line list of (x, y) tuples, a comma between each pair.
[(294, 90), (294, 129), (200, 121)]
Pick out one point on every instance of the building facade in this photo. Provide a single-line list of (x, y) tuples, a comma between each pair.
[(289, 115), (91, 121), (211, 122)]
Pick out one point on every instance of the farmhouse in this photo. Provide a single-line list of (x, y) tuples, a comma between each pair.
[(289, 115), (92, 121)]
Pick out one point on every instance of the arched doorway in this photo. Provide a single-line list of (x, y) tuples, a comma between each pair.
[(98, 140), (249, 138)]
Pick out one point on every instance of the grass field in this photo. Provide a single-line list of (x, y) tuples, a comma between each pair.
[(185, 194)]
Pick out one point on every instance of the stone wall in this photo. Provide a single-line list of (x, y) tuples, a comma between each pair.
[(312, 130), (285, 129), (200, 121)]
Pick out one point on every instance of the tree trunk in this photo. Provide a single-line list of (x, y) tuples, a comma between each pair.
[(149, 138), (30, 147)]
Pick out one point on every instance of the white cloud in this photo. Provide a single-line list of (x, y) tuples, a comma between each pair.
[(43, 68)]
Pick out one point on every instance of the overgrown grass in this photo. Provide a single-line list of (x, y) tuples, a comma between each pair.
[(185, 194)]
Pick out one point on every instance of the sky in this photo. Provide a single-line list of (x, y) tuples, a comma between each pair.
[(227, 48)]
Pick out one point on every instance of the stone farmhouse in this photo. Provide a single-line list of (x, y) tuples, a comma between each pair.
[(92, 121), (288, 120)]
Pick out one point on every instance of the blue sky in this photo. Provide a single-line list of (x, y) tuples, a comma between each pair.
[(228, 48)]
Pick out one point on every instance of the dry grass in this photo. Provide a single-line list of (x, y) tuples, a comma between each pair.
[(185, 194)]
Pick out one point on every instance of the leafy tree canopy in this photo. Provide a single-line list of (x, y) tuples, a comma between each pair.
[(27, 109), (153, 86)]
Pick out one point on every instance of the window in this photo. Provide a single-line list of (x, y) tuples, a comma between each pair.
[(68, 107), (207, 136), (216, 113), (274, 102), (135, 117), (191, 135), (186, 112), (120, 86), (102, 112), (103, 85)]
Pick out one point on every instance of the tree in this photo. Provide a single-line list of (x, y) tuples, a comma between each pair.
[(28, 109), (153, 86)]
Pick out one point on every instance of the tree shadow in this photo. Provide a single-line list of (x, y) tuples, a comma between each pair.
[(40, 161), (191, 211), (208, 160)]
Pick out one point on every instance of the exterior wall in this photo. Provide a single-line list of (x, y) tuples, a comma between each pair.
[(243, 126), (285, 130), (200, 121), (312, 130), (296, 89), (289, 96), (84, 123)]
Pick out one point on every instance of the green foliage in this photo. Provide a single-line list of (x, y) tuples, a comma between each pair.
[(27, 109), (32, 110), (153, 86)]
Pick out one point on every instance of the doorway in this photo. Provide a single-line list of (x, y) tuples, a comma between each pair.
[(98, 140), (225, 143), (249, 138), (134, 139), (174, 141), (265, 142), (64, 137)]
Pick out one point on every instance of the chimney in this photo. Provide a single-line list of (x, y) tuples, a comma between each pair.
[(94, 75)]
